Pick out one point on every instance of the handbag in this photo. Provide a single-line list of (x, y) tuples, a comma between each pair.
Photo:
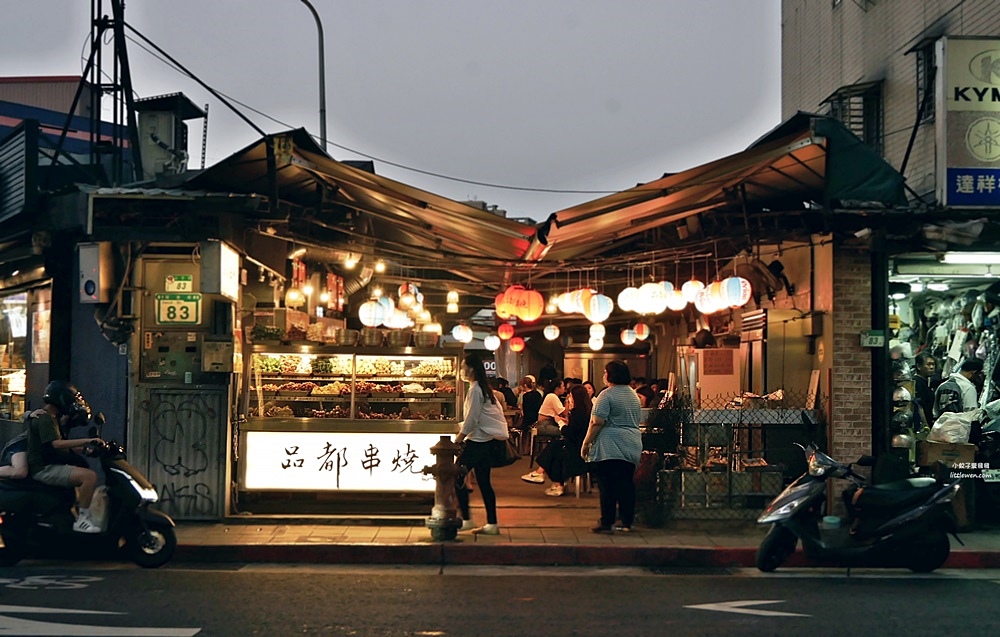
[(509, 454)]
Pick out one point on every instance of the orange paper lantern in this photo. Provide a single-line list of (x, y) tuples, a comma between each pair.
[(505, 331)]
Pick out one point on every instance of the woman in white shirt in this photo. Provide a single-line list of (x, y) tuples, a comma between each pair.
[(483, 431)]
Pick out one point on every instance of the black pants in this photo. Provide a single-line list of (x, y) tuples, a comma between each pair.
[(615, 480), (482, 471)]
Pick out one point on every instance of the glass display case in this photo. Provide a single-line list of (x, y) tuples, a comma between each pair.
[(346, 419), (11, 393)]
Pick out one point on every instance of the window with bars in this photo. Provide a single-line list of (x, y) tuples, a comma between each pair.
[(926, 70), (859, 108)]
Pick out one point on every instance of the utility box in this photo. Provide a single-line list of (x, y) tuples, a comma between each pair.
[(96, 271)]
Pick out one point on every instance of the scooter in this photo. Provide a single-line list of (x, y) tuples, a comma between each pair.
[(37, 520), (899, 524)]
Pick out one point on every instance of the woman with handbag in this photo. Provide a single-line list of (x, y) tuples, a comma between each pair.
[(484, 432)]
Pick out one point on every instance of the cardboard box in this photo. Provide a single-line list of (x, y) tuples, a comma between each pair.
[(949, 453)]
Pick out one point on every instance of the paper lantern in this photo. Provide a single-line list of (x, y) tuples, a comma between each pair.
[(667, 286), (691, 288), (462, 333), (371, 313), (716, 293), (502, 306), (516, 344), (703, 303), (387, 303), (433, 328), (491, 342), (505, 331), (627, 299), (595, 343), (551, 332), (736, 291), (651, 299), (597, 331), (451, 308), (676, 301), (397, 320), (641, 331), (628, 336), (565, 303), (521, 302), (452, 296), (598, 308)]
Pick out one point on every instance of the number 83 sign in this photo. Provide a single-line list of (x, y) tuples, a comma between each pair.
[(174, 309)]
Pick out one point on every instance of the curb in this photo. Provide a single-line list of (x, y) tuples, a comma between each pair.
[(459, 554)]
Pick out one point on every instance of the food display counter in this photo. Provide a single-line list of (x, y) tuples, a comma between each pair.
[(323, 418)]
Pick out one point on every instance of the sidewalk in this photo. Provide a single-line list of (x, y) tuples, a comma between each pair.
[(536, 530)]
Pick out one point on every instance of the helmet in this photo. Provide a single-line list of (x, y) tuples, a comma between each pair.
[(901, 394), (68, 400)]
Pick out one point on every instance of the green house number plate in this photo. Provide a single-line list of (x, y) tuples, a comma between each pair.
[(178, 309)]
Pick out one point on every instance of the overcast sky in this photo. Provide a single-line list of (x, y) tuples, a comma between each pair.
[(572, 95)]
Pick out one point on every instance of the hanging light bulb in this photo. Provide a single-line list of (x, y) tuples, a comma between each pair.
[(492, 342), (597, 331), (324, 296), (380, 266), (294, 298), (628, 336), (350, 261), (595, 343), (452, 296), (307, 289), (551, 332), (452, 308)]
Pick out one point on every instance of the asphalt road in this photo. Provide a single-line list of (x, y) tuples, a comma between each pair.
[(89, 599)]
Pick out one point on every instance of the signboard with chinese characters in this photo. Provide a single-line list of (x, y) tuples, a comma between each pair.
[(968, 122), (337, 461), (179, 283)]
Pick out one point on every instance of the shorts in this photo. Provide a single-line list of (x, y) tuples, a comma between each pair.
[(56, 475)]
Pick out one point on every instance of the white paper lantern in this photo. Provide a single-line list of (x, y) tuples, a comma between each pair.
[(492, 342), (371, 313), (551, 332), (599, 308), (691, 288), (651, 299), (737, 291), (596, 343), (628, 336), (462, 333), (597, 331), (703, 303), (676, 301), (627, 299)]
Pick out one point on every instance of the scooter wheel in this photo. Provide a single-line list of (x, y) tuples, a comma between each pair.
[(929, 554), (10, 556), (776, 547), (154, 547)]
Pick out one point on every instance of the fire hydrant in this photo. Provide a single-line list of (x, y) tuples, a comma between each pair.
[(444, 522)]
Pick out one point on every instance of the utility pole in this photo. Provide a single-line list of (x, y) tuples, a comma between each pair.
[(322, 75)]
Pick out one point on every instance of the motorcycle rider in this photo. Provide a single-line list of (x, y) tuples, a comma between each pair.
[(50, 459), (14, 458)]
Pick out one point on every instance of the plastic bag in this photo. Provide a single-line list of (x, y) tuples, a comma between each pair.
[(99, 506), (953, 426)]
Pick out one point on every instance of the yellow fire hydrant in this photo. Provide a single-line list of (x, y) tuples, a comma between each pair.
[(444, 522)]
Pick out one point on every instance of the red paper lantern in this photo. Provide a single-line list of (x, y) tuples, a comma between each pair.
[(516, 344), (505, 331), (523, 303)]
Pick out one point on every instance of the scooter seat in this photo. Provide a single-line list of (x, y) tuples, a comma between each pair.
[(895, 495)]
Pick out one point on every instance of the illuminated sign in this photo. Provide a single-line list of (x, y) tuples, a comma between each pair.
[(178, 309), (338, 461)]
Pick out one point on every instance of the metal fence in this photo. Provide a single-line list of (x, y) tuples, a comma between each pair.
[(724, 460)]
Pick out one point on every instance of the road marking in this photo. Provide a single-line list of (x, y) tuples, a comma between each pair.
[(50, 582), (27, 627), (740, 606)]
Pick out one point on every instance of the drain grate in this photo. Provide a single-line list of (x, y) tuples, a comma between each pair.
[(693, 570)]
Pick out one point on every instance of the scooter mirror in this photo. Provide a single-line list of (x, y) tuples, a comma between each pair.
[(866, 461)]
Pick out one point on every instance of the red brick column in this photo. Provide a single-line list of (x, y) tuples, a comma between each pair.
[(851, 393)]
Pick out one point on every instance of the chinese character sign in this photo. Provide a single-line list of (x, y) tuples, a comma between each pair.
[(319, 461)]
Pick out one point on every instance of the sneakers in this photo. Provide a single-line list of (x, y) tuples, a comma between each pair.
[(487, 529), (555, 490), (467, 525), (85, 524), (534, 477), (623, 529)]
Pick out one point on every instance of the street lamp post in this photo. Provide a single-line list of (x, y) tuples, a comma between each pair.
[(322, 75)]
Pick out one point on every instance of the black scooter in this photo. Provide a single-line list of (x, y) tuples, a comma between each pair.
[(899, 524), (36, 520)]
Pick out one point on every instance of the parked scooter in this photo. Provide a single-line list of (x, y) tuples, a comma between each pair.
[(899, 524), (36, 520)]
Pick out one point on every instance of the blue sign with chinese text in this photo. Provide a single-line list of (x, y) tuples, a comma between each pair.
[(973, 186)]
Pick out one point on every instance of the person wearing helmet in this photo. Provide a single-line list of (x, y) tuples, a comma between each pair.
[(50, 457)]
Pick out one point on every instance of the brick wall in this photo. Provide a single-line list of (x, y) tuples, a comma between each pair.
[(851, 392)]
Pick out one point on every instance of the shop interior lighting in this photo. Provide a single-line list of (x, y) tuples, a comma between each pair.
[(380, 266), (307, 289), (992, 258), (296, 254), (350, 261), (324, 296), (898, 291), (937, 287)]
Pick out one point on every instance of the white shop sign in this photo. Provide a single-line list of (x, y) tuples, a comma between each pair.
[(337, 461)]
